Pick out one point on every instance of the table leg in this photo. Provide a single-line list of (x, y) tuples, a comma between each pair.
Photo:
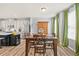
[(55, 47), (26, 48)]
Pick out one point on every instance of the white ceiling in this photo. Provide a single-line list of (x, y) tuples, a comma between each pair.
[(31, 9)]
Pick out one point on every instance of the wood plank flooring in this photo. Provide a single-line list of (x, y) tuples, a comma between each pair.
[(20, 51)]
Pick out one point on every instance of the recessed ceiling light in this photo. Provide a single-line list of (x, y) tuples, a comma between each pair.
[(43, 9)]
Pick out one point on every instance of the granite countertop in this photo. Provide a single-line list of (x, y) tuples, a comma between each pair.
[(4, 33), (7, 33)]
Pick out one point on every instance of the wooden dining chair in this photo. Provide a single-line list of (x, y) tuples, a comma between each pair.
[(39, 46), (53, 34), (49, 44), (32, 42)]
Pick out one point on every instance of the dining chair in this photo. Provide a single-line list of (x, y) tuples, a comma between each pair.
[(49, 44), (53, 34), (32, 42), (39, 46)]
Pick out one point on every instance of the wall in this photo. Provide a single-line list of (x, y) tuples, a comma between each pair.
[(34, 24)]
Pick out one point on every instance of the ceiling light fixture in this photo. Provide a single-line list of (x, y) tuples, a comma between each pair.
[(43, 9)]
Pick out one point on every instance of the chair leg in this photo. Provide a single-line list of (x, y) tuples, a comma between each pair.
[(44, 48), (34, 51), (43, 54), (44, 51)]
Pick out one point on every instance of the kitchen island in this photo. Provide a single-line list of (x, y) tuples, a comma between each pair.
[(9, 39)]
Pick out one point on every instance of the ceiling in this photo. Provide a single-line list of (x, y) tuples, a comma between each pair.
[(31, 9)]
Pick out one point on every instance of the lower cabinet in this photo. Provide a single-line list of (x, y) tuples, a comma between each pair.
[(14, 40)]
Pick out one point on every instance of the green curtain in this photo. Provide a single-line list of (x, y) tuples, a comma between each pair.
[(53, 25), (77, 28), (65, 34), (57, 29)]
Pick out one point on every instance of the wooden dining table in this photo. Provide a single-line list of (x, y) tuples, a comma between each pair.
[(48, 38)]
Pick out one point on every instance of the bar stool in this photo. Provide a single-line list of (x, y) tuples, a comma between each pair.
[(0, 42)]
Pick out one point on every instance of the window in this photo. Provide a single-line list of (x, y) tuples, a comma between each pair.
[(71, 24), (71, 27)]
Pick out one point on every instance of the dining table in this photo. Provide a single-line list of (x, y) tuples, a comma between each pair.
[(47, 38)]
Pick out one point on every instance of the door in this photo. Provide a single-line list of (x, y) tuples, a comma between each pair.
[(42, 27)]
